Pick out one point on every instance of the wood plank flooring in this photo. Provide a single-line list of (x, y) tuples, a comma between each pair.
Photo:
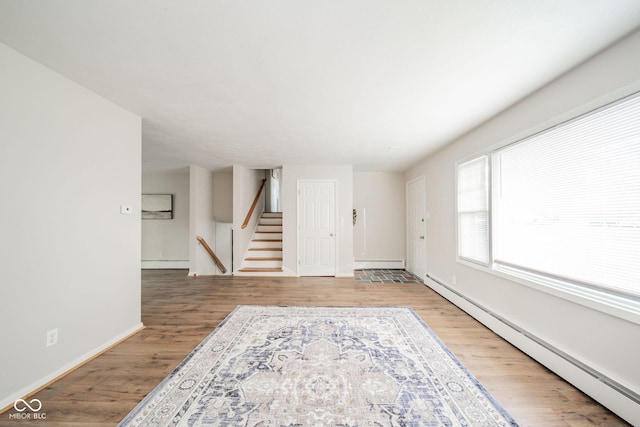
[(179, 312)]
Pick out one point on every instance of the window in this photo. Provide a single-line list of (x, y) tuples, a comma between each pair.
[(565, 203), (473, 210)]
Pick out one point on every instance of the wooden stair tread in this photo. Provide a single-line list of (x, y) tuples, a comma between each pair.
[(268, 233)]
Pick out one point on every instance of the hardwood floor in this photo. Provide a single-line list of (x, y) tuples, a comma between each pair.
[(179, 312)]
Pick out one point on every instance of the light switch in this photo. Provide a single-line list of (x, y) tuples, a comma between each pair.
[(126, 210)]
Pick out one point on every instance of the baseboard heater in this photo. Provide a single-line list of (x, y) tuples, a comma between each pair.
[(392, 264), (595, 374)]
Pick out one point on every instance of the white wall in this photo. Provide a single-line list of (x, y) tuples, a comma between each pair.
[(379, 232), (69, 260), (344, 205), (201, 221), (606, 343), (165, 243)]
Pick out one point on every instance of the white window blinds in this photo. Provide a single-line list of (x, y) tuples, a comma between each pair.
[(473, 210), (566, 202)]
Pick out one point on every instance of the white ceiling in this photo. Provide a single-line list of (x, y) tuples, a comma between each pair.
[(373, 83)]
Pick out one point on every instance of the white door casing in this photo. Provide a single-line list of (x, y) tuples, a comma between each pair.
[(316, 228), (416, 228)]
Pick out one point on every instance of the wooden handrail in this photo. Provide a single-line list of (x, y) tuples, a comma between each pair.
[(253, 206), (213, 254)]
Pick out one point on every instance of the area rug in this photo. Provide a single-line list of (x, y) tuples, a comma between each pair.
[(320, 366)]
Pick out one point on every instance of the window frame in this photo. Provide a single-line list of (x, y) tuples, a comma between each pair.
[(621, 305), (488, 165)]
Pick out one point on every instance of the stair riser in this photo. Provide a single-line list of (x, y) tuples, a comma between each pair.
[(269, 229), (265, 254), (272, 244), (267, 236), (271, 221), (261, 272), (269, 232), (261, 264)]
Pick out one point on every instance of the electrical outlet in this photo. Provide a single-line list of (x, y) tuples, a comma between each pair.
[(126, 210), (453, 280), (52, 337)]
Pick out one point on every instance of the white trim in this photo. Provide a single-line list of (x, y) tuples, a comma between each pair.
[(384, 263), (165, 264), (286, 272), (344, 274), (620, 307), (25, 391), (624, 402)]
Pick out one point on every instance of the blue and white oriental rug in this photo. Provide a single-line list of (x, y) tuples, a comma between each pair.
[(320, 366)]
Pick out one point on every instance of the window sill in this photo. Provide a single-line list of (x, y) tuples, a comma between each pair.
[(619, 306)]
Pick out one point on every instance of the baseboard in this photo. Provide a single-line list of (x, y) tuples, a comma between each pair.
[(164, 264), (7, 402), (345, 274), (378, 263), (611, 394)]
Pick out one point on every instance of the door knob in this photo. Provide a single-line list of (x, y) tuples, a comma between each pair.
[(331, 234)]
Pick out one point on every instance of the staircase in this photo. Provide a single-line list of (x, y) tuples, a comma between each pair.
[(265, 250)]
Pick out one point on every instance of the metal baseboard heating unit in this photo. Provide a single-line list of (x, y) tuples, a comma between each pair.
[(391, 264), (475, 310)]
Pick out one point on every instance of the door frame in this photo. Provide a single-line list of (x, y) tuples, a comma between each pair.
[(411, 266), (335, 217)]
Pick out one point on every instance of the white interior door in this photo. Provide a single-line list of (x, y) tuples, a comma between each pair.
[(316, 228), (416, 228)]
